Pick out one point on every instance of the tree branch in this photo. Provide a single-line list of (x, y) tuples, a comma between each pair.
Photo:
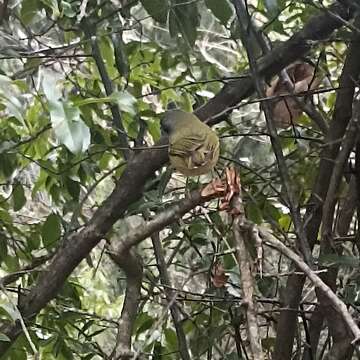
[(89, 32), (342, 114), (131, 263), (337, 304), (130, 186)]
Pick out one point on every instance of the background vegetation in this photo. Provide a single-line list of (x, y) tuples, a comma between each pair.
[(105, 254)]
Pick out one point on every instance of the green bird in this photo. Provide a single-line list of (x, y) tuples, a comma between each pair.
[(193, 147)]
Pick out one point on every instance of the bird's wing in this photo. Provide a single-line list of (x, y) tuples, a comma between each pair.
[(186, 146), (195, 151)]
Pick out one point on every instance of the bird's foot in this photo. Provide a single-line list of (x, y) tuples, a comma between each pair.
[(215, 188), (226, 189)]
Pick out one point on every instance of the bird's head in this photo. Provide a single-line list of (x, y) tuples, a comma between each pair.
[(173, 119)]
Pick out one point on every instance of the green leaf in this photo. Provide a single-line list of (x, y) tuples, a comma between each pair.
[(51, 230), (9, 311), (153, 127), (143, 323), (125, 101), (4, 337), (184, 19), (268, 343), (73, 187), (221, 10), (3, 248), (254, 213), (157, 9), (171, 339), (34, 240), (285, 222), (67, 9), (10, 98), (53, 5), (5, 217), (69, 129), (18, 197), (12, 263), (29, 8), (107, 53)]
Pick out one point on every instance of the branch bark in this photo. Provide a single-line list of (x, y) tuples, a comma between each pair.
[(130, 186), (131, 263)]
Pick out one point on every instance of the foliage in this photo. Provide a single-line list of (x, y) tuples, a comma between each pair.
[(61, 153)]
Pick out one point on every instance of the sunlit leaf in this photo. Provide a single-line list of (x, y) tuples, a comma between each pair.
[(68, 127), (53, 5), (4, 337), (125, 101)]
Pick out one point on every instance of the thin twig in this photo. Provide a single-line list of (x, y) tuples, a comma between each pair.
[(339, 305)]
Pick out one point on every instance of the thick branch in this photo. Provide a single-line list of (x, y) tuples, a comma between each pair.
[(170, 296), (141, 167), (131, 263), (247, 285)]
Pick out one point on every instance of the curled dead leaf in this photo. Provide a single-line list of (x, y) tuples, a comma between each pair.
[(218, 276), (286, 110)]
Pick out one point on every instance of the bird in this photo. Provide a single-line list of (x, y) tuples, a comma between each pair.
[(193, 147)]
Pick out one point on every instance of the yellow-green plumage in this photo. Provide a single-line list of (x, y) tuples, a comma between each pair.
[(193, 147)]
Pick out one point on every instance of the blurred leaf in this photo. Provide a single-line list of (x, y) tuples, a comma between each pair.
[(268, 343), (253, 212), (221, 9), (9, 311), (338, 260), (143, 322), (171, 339), (4, 337), (125, 101), (107, 53), (29, 8), (53, 5), (272, 6), (69, 129), (18, 197), (3, 247), (184, 19), (51, 230), (67, 9), (5, 217), (121, 59), (157, 9), (73, 187), (285, 222), (154, 129), (350, 293)]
